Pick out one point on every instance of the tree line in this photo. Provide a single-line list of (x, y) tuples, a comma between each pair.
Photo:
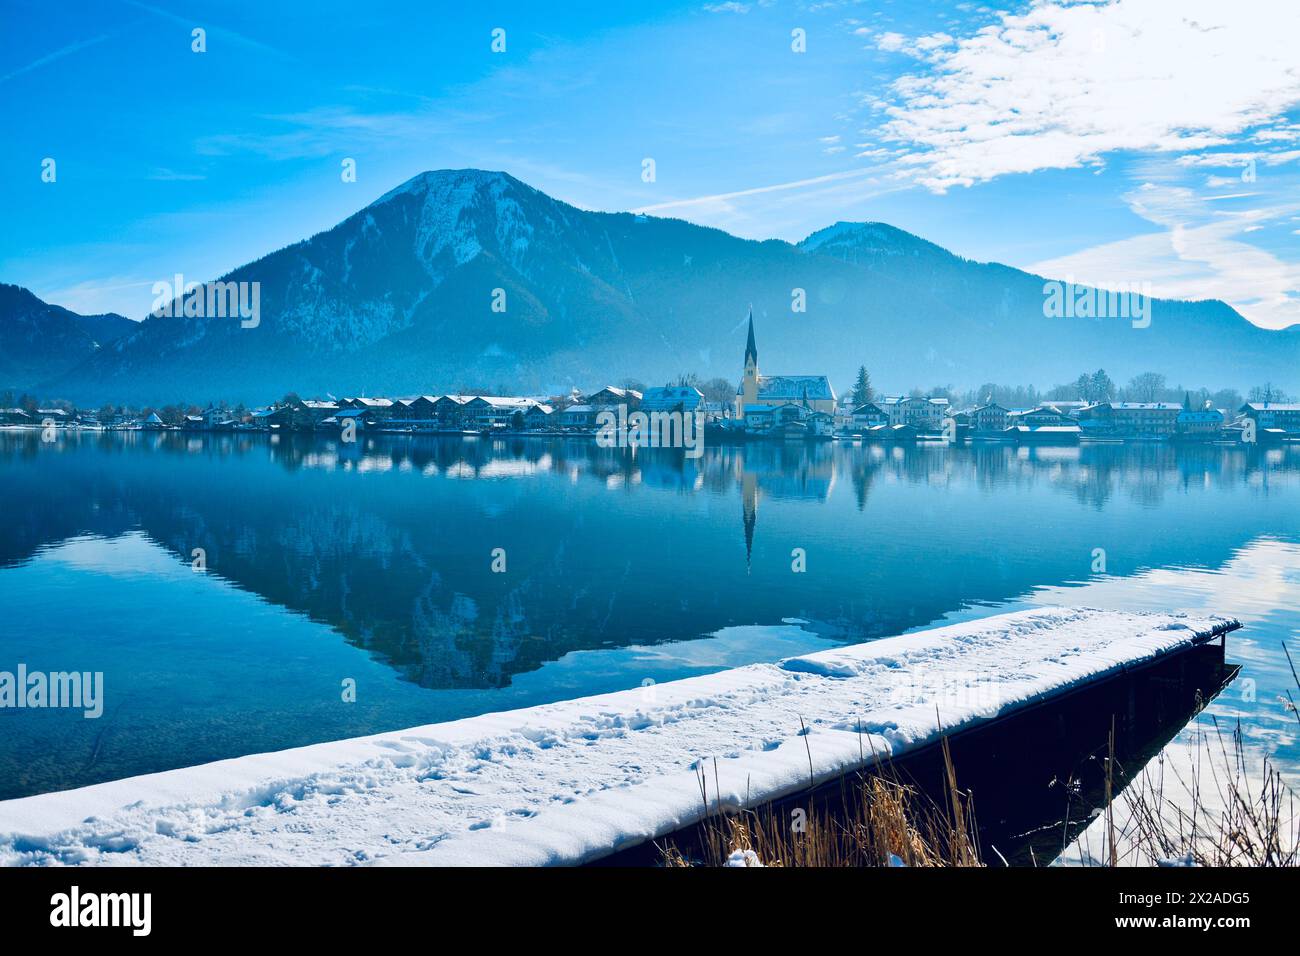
[(1095, 386)]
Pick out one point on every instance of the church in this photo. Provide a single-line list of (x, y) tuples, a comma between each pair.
[(766, 401)]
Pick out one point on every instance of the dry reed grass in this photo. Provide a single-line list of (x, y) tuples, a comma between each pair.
[(877, 820)]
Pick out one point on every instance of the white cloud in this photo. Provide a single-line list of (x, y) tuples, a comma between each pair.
[(1223, 160), (891, 42), (1065, 83), (1198, 255)]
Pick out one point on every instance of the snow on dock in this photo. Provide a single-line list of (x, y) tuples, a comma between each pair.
[(573, 781)]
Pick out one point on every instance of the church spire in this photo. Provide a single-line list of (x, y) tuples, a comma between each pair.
[(751, 350)]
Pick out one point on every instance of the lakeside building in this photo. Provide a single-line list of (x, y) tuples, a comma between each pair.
[(15, 416), (1204, 422), (788, 419), (421, 411), (1043, 424), (539, 416), (990, 417), (1070, 407), (844, 408), (764, 402), (1280, 416), (308, 414), (868, 415), (449, 411), (266, 419), (379, 409), (1041, 416), (609, 395), (580, 417), (213, 418), (922, 413), (216, 417), (362, 417), (1142, 420), (496, 411), (672, 398)]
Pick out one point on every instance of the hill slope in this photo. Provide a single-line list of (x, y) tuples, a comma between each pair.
[(39, 341)]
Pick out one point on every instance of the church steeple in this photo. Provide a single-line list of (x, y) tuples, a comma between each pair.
[(748, 394)]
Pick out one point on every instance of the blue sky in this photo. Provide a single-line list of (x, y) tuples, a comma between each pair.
[(1133, 140)]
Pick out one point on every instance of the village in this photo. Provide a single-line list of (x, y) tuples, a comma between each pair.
[(765, 407)]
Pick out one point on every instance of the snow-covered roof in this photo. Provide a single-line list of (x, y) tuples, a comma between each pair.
[(774, 388), (1271, 407), (624, 393), (663, 398), (925, 400), (1038, 410), (505, 401)]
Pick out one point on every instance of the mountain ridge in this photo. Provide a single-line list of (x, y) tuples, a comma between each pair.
[(398, 298)]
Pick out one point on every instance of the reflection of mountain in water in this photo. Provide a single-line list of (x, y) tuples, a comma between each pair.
[(389, 541)]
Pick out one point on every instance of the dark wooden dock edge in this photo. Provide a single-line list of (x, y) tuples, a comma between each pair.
[(1017, 765)]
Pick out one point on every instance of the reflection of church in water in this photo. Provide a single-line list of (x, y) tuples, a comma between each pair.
[(781, 471)]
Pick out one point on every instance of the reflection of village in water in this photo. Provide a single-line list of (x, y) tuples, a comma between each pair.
[(387, 539)]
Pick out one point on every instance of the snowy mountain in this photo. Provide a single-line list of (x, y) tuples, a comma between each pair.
[(39, 341), (398, 299)]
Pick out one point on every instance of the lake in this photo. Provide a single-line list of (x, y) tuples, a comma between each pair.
[(373, 563)]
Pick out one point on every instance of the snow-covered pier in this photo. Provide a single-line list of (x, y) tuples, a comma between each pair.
[(575, 781)]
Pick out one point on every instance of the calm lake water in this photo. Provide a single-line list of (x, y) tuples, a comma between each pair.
[(374, 562)]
